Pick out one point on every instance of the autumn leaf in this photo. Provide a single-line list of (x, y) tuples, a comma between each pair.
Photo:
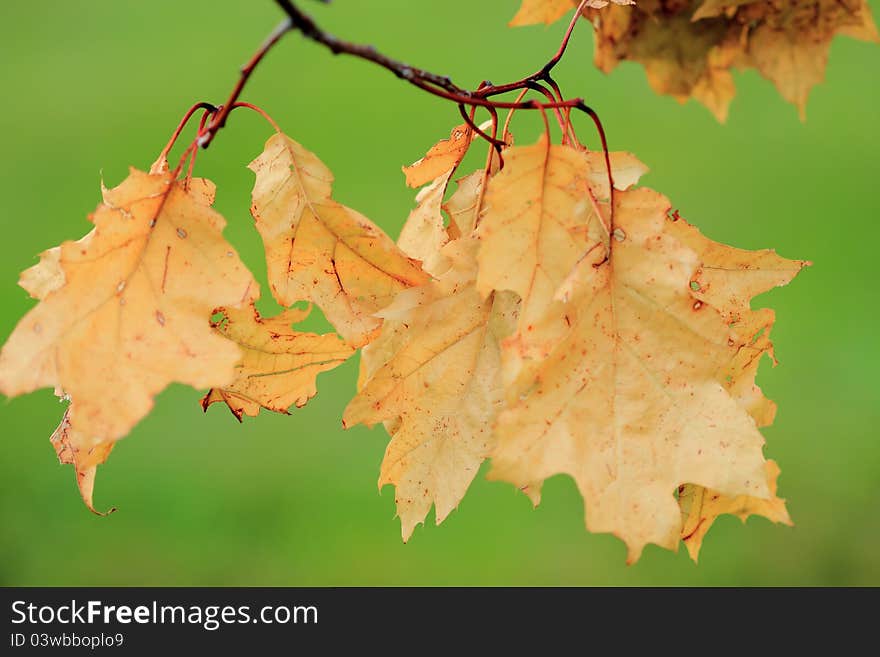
[(279, 365), (125, 311), (689, 48), (700, 507), (629, 402), (549, 11), (320, 250), (439, 386), (433, 374), (542, 214), (441, 159)]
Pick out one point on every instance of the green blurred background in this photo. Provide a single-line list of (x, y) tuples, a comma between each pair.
[(93, 87)]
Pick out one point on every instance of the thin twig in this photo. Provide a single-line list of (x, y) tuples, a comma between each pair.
[(543, 73), (497, 143), (261, 112), (438, 85), (309, 29), (220, 117), (208, 107)]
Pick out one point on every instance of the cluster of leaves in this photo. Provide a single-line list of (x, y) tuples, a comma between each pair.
[(688, 47), (536, 316)]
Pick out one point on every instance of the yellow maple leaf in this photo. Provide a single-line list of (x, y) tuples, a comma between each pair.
[(688, 48), (125, 311), (320, 250), (279, 365), (439, 388), (433, 377), (630, 401)]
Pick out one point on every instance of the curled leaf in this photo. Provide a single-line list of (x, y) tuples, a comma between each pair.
[(125, 311), (700, 507), (319, 250), (73, 448), (279, 365), (443, 157)]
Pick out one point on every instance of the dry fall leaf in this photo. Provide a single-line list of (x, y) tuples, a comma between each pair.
[(688, 47), (631, 401), (434, 376), (279, 365), (125, 311), (443, 157), (319, 250)]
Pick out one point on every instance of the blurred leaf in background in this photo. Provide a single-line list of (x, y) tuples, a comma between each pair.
[(92, 88)]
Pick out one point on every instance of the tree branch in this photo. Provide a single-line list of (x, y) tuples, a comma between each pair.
[(437, 85), (421, 78)]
